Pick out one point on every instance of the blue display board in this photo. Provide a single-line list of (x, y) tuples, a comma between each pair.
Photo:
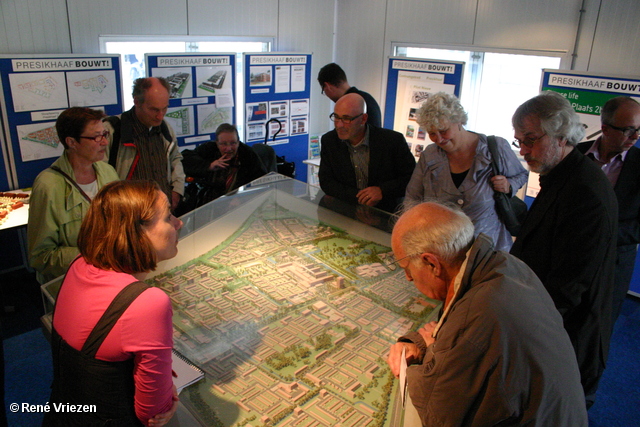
[(36, 89), (4, 168), (277, 94), (587, 93), (203, 90), (409, 83)]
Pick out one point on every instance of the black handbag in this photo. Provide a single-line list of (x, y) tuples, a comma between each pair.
[(511, 210)]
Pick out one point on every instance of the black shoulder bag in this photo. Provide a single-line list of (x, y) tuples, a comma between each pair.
[(511, 210)]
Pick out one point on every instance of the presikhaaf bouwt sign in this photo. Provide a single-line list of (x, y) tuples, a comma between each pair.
[(202, 92), (409, 83), (587, 93), (277, 86), (36, 89)]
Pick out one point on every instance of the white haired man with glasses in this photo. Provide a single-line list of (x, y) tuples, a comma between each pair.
[(569, 235), (498, 354), (363, 164), (615, 152)]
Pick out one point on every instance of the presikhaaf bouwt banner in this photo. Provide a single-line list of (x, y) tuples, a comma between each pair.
[(409, 83), (202, 92), (36, 89), (277, 86), (587, 93)]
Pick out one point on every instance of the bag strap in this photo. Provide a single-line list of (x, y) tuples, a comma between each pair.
[(493, 149), (72, 181), (114, 121), (118, 306)]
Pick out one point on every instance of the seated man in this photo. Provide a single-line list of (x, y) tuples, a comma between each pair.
[(499, 354), (222, 165), (363, 164)]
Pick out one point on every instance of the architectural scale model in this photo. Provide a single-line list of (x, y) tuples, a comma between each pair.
[(10, 202), (214, 82), (178, 82), (94, 84), (47, 136), (181, 117), (214, 119), (291, 320), (42, 87)]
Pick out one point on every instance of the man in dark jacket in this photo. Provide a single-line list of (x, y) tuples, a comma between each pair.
[(223, 165), (363, 164), (569, 236), (614, 151)]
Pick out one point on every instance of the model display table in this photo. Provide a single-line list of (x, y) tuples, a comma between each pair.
[(290, 309)]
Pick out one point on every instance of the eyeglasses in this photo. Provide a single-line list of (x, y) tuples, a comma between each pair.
[(346, 120), (404, 257), (628, 131), (99, 138), (227, 144), (527, 142)]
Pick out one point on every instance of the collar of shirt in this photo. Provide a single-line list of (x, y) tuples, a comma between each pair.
[(594, 151), (364, 142), (140, 129), (457, 281), (612, 168)]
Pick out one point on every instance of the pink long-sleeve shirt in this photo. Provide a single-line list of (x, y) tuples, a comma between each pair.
[(144, 331)]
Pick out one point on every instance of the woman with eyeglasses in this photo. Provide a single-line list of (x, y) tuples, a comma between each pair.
[(457, 168), (62, 193)]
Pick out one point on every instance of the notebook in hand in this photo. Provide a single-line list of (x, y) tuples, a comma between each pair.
[(187, 373)]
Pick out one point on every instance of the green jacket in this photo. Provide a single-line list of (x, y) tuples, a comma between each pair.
[(56, 210)]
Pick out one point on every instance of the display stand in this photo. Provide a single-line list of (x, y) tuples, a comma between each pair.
[(36, 89), (277, 86), (202, 96), (409, 83)]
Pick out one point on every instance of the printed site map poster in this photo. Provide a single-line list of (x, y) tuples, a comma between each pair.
[(290, 317), (36, 89)]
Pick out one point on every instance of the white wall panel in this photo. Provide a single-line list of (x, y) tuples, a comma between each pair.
[(430, 21), (89, 19), (34, 26), (233, 17), (616, 46), (360, 43), (307, 26), (517, 24)]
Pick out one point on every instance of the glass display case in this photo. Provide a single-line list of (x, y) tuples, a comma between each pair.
[(289, 301)]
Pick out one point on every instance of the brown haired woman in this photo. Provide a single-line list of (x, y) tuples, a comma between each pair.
[(62, 193), (112, 334)]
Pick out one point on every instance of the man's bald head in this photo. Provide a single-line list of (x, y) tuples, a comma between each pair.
[(434, 228)]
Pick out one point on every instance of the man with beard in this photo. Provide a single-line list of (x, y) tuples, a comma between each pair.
[(569, 236)]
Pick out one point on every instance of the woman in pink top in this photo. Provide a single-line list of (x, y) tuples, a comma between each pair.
[(112, 334)]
